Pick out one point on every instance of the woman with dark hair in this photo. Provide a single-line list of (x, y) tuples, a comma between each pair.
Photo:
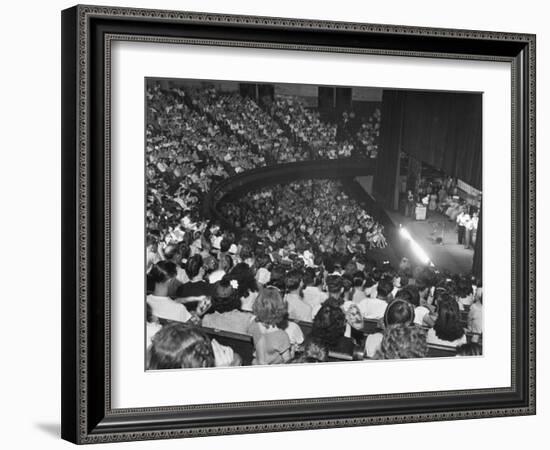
[(277, 278), (177, 346), (162, 306), (329, 325), (271, 342), (225, 312), (263, 275), (358, 294), (398, 312), (196, 287), (447, 329), (464, 293), (313, 352), (247, 287), (312, 293), (297, 308), (402, 342)]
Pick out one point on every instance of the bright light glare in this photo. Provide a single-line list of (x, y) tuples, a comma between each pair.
[(418, 251), (405, 233)]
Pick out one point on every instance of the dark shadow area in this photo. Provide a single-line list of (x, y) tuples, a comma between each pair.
[(53, 429)]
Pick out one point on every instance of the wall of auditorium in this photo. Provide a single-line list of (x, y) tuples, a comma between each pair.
[(31, 217)]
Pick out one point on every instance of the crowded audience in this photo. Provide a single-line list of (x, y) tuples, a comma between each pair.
[(292, 280)]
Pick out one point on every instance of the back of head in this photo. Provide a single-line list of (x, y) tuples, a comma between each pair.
[(162, 271), (171, 251), (329, 324), (384, 288), (176, 346), (447, 325), (358, 279), (277, 278), (464, 287), (403, 341), (193, 266), (244, 276), (309, 277), (293, 279), (335, 284), (399, 312), (224, 245), (313, 351), (224, 297), (270, 308), (410, 294)]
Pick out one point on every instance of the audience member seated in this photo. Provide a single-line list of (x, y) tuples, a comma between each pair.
[(271, 342), (196, 286), (475, 314), (403, 342), (243, 280), (398, 312), (329, 325), (162, 306), (225, 312), (176, 346), (374, 308), (297, 308), (313, 351), (447, 329), (312, 293), (285, 254), (465, 293)]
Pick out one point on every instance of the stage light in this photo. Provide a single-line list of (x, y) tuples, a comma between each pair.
[(405, 233), (417, 250)]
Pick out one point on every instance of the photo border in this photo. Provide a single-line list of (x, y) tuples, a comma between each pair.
[(87, 34)]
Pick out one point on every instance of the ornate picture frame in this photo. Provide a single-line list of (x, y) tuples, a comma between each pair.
[(87, 35)]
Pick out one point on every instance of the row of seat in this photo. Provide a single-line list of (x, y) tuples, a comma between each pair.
[(347, 350)]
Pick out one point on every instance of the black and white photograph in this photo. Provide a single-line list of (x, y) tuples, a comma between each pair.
[(300, 223)]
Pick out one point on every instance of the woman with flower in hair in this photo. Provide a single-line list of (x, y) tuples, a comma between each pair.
[(271, 342), (242, 279), (225, 311)]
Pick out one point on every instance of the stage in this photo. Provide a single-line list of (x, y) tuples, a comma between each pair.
[(446, 254)]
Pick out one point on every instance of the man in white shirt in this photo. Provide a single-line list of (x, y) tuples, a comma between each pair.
[(312, 295), (165, 308), (297, 308), (374, 308), (461, 221)]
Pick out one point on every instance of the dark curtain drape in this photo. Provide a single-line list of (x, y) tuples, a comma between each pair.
[(444, 130), (477, 265), (391, 126)]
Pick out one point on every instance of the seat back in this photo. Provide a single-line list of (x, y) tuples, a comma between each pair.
[(371, 326), (240, 343), (440, 351), (346, 350), (305, 327)]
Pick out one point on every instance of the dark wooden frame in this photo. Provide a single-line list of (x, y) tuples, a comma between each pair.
[(87, 31)]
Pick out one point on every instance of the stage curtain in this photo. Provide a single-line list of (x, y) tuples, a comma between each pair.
[(444, 130), (391, 128)]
